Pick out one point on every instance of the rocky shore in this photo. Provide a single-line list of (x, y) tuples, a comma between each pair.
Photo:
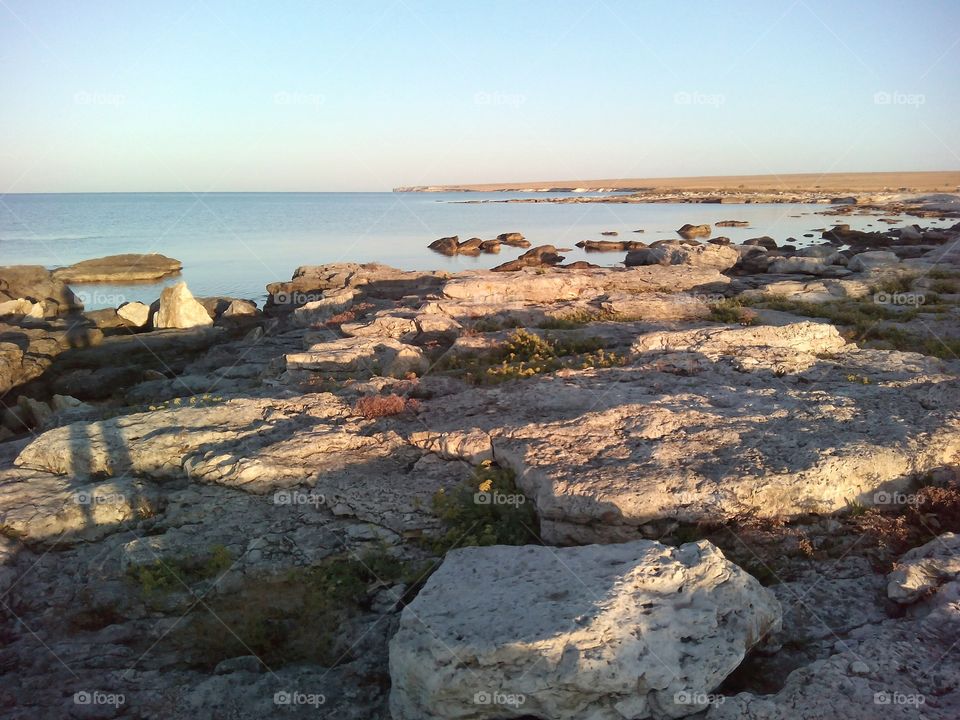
[(720, 481)]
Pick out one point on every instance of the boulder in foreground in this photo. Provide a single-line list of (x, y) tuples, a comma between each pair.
[(606, 632), (179, 309)]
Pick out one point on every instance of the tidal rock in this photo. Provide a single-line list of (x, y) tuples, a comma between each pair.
[(732, 223), (610, 245), (179, 309), (120, 269), (766, 242), (446, 245), (689, 231), (540, 256), (514, 239), (634, 631)]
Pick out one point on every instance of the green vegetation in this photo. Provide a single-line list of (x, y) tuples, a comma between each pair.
[(874, 323), (732, 311), (526, 354), (893, 284), (179, 573), (302, 615), (487, 509)]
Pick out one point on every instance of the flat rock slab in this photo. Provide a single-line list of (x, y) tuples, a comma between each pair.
[(553, 285), (699, 430), (43, 508), (131, 267), (358, 356), (603, 632)]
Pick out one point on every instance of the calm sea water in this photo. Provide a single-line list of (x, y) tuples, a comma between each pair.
[(235, 243)]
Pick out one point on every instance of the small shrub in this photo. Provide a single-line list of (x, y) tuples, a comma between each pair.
[(378, 406), (732, 311), (487, 509), (179, 573)]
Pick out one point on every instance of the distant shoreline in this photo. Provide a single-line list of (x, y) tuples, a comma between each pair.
[(932, 181)]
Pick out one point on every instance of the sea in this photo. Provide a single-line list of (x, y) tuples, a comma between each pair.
[(233, 244)]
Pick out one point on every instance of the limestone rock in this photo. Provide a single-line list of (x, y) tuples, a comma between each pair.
[(327, 304), (924, 569), (866, 261), (360, 355), (131, 267), (179, 309), (633, 630), (806, 266), (135, 313), (37, 285), (719, 257)]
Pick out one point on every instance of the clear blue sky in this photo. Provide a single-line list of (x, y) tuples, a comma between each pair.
[(234, 95)]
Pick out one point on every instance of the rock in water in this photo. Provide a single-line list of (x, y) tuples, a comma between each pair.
[(179, 309), (132, 267), (606, 632), (689, 231)]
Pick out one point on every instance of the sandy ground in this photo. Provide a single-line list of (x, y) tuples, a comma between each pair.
[(940, 181)]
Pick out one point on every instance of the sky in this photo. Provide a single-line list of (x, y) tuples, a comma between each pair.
[(236, 95)]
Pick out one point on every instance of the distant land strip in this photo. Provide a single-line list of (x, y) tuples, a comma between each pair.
[(865, 182)]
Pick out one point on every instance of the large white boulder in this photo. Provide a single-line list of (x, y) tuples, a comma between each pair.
[(179, 309), (606, 632)]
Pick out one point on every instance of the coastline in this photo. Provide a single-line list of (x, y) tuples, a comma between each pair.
[(868, 182)]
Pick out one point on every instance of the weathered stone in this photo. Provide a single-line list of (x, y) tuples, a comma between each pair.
[(127, 268), (867, 261), (806, 266), (689, 231), (135, 313), (325, 306), (637, 628), (718, 257), (179, 309), (360, 355), (37, 285), (924, 569)]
